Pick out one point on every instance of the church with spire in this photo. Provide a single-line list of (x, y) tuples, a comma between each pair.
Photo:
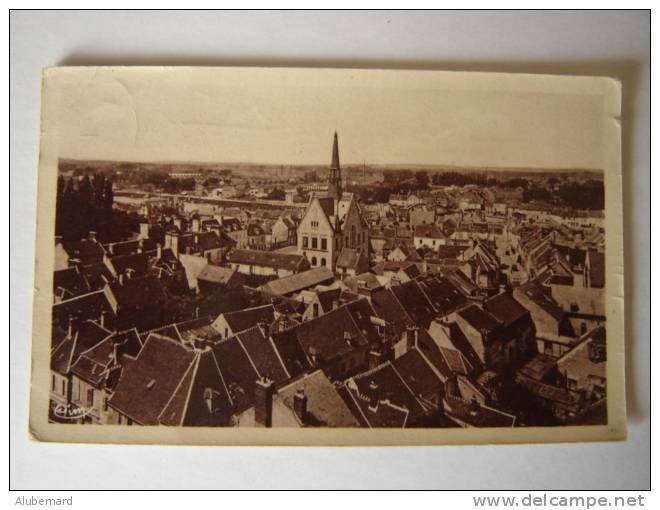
[(333, 232)]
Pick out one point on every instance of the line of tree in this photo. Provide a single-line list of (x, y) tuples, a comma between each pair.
[(85, 204)]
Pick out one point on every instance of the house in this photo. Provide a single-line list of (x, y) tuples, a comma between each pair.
[(339, 341), (517, 334), (352, 262), (69, 283), (96, 372), (546, 313), (310, 401), (594, 269), (267, 263), (74, 400), (583, 368), (213, 278), (333, 222), (429, 235), (137, 302), (172, 384), (85, 252), (290, 285), (91, 306), (256, 237), (381, 398), (229, 324), (421, 215), (284, 231)]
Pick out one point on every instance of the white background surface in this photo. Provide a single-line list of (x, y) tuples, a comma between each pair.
[(609, 44)]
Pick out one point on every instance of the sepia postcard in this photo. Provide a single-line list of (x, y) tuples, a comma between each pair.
[(279, 256)]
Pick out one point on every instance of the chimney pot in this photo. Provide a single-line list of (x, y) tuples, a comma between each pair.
[(300, 405), (263, 402)]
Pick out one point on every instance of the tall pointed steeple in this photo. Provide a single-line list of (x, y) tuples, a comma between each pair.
[(334, 175)]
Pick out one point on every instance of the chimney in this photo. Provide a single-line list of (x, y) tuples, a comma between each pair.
[(411, 337), (263, 402), (376, 358), (72, 326), (92, 235), (263, 327), (174, 243), (144, 230), (300, 405)]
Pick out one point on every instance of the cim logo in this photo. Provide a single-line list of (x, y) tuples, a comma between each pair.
[(70, 411)]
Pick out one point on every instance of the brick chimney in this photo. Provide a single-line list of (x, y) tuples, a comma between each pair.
[(144, 230), (73, 323), (264, 390), (300, 405), (103, 318), (411, 337)]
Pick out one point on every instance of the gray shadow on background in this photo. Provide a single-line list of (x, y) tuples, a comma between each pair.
[(626, 71)]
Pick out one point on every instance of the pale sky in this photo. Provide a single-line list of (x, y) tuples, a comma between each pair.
[(289, 116)]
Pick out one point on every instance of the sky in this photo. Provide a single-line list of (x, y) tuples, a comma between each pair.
[(285, 116)]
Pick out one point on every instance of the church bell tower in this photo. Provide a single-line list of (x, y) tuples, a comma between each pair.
[(334, 175)]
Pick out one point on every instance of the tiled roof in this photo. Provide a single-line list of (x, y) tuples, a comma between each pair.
[(505, 308), (479, 319), (263, 355), (542, 298), (87, 306), (138, 292), (331, 335), (430, 231), (416, 304), (297, 282), (171, 384), (238, 371), (288, 261), (596, 268), (325, 407), (353, 259), (240, 320), (71, 280), (384, 399), (217, 274), (418, 375)]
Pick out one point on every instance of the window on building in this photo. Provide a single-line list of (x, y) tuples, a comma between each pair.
[(315, 243), (54, 382), (63, 386), (305, 241), (323, 261), (90, 397), (105, 404), (315, 309), (324, 244), (314, 261), (226, 332)]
